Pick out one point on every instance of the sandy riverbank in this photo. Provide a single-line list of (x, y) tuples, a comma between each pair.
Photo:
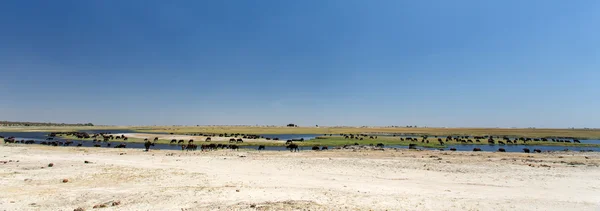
[(333, 180)]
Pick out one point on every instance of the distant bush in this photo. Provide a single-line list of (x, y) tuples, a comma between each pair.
[(29, 124)]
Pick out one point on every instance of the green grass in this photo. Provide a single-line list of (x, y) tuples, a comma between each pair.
[(332, 141)]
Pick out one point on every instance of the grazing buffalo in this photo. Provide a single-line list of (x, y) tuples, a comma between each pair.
[(576, 141), (239, 140), (207, 139), (525, 150), (180, 141), (232, 140), (412, 146), (191, 141), (501, 143), (316, 148), (501, 150), (173, 141), (261, 147), (324, 148), (80, 144), (234, 147), (380, 145), (155, 139), (476, 149), (293, 147)]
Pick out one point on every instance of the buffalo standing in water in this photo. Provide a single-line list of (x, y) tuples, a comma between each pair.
[(412, 146), (261, 147), (293, 147), (147, 145)]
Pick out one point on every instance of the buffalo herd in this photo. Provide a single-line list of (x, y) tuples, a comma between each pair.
[(53, 139)]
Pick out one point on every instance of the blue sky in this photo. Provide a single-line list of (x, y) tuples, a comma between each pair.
[(456, 63)]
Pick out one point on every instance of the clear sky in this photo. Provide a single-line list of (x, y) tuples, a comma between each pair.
[(459, 63)]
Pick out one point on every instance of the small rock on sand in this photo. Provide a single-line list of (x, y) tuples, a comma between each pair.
[(50, 164), (65, 180)]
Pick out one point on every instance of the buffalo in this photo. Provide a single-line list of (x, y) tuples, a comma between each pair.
[(501, 150), (293, 147), (324, 148), (261, 147), (412, 146), (147, 145), (525, 150), (316, 148), (380, 145)]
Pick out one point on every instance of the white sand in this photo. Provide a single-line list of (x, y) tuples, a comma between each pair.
[(334, 180)]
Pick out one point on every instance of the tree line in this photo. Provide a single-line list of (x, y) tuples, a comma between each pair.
[(27, 124)]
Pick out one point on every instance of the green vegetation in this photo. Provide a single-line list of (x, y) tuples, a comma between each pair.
[(333, 141)]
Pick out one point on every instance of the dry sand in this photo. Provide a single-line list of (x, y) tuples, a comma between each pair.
[(333, 180)]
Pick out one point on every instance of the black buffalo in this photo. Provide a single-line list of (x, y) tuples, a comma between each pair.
[(293, 147)]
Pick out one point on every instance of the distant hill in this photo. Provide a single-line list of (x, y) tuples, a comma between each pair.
[(26, 124)]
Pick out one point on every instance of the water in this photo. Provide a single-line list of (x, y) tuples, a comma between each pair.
[(292, 136), (41, 136)]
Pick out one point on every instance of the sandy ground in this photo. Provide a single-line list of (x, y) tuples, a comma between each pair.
[(332, 180)]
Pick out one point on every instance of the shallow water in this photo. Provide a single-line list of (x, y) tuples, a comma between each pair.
[(41, 136)]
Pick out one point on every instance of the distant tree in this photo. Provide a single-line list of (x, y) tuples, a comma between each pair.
[(292, 125)]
